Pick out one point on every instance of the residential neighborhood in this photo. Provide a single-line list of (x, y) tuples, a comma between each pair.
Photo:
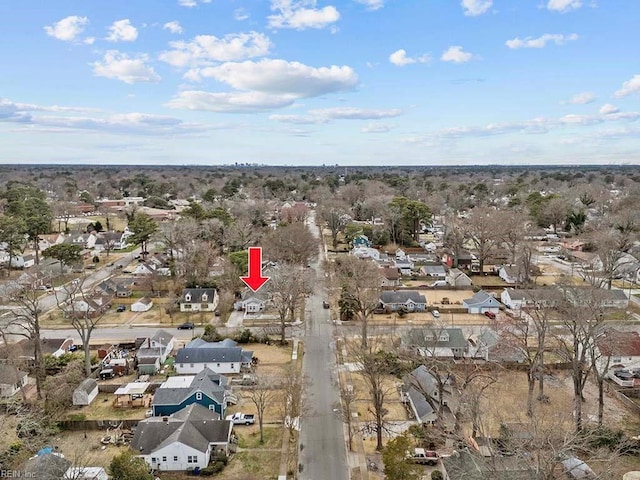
[(470, 332)]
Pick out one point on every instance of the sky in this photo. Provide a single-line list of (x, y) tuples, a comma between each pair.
[(313, 82)]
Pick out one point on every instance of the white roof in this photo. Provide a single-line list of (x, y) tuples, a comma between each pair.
[(178, 381), (136, 388)]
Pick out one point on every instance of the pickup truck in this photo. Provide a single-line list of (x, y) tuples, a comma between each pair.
[(423, 457), (241, 419)]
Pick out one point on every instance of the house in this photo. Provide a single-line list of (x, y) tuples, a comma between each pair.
[(420, 390), (184, 440), (464, 261), (148, 365), (390, 277), (513, 299), (433, 271), (49, 346), (85, 392), (617, 348), (481, 302), (86, 473), (424, 258), (456, 278), (251, 303), (112, 241), (207, 389), (199, 300), (469, 465), (159, 346), (407, 300), (437, 342), (404, 264), (49, 240), (142, 305), (91, 307), (490, 348), (85, 240), (23, 261), (146, 268), (367, 253), (510, 274), (218, 356), (11, 380), (47, 464)]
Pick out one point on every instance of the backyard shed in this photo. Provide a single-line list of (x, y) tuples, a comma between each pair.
[(86, 392)]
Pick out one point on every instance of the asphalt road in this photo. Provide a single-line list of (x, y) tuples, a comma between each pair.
[(323, 454)]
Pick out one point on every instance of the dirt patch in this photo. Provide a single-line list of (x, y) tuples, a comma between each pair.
[(102, 409), (86, 450)]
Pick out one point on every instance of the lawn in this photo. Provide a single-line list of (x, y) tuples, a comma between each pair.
[(102, 409), (249, 437), (252, 465)]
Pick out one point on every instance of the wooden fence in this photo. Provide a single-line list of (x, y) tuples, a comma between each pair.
[(75, 425)]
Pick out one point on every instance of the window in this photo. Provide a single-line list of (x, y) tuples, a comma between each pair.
[(191, 365), (199, 396), (204, 306), (204, 297), (187, 306), (154, 460), (182, 365), (187, 297), (212, 407), (192, 459), (218, 365), (175, 458), (232, 365), (164, 459), (616, 360)]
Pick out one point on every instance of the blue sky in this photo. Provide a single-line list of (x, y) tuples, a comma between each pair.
[(296, 82)]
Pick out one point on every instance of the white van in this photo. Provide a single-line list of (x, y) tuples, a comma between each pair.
[(439, 283)]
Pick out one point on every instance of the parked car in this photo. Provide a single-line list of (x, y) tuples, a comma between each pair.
[(424, 457), (121, 308), (435, 313), (241, 419), (186, 326), (491, 315)]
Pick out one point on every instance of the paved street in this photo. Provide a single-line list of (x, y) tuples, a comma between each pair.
[(323, 454)]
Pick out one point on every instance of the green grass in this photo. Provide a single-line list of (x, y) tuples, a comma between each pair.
[(272, 438), (265, 463)]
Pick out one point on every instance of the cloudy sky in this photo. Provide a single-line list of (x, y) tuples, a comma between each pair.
[(311, 82)]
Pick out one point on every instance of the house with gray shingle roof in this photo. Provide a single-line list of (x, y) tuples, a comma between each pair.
[(11, 380), (481, 302), (186, 439), (218, 356), (407, 300), (435, 271), (199, 300), (207, 389), (437, 342), (421, 391)]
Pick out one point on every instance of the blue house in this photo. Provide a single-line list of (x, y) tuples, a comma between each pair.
[(361, 241), (207, 388)]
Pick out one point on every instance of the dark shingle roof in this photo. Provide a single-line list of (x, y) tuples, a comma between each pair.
[(196, 295), (481, 298), (48, 466), (194, 426), (204, 382), (402, 297), (417, 384), (10, 375), (209, 355), (429, 337)]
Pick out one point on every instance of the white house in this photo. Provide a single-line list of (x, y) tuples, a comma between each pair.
[(142, 305), (23, 261), (85, 240), (85, 392), (510, 274), (456, 278), (11, 380), (513, 299), (199, 299), (159, 346), (620, 349), (251, 303), (184, 440), (481, 302), (220, 357)]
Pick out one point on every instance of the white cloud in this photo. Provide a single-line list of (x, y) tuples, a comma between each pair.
[(581, 98), (68, 29), (122, 31), (455, 54), (564, 6), (279, 77), (399, 58), (191, 3), (540, 42), (629, 87), (89, 40), (173, 26), (372, 4), (205, 49), (301, 14), (608, 109), (235, 102), (376, 128), (120, 66), (264, 85), (240, 14), (473, 8), (325, 115)]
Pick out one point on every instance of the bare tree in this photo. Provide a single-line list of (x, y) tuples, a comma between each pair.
[(83, 314), (262, 395), (556, 211), (289, 284), (294, 403), (361, 282), (347, 400), (374, 372), (25, 321), (293, 243), (334, 217), (480, 229)]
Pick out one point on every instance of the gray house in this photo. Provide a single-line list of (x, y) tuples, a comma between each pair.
[(437, 342), (11, 380), (420, 391), (407, 300), (481, 302)]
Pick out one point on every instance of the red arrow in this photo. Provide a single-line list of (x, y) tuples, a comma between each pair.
[(255, 280)]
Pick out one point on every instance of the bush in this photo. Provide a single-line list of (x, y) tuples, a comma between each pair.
[(436, 475), (245, 336)]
